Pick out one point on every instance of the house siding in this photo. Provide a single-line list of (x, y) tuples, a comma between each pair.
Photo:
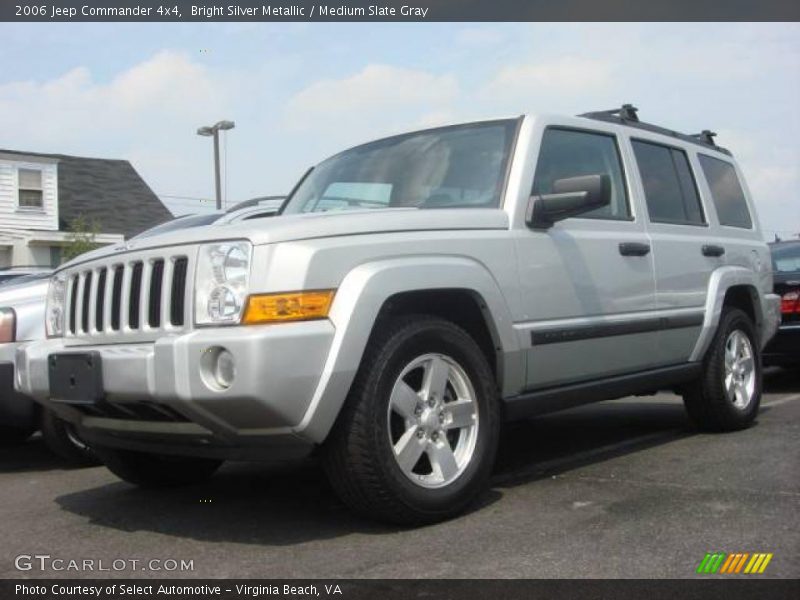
[(13, 217)]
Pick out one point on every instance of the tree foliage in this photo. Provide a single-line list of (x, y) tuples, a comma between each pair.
[(81, 237)]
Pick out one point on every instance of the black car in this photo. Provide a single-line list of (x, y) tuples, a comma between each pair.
[(784, 348)]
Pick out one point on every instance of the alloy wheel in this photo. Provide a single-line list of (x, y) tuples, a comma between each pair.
[(433, 420)]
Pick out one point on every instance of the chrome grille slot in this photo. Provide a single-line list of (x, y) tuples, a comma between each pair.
[(135, 299), (116, 298), (86, 301), (100, 299), (178, 295), (132, 300), (154, 304), (73, 308)]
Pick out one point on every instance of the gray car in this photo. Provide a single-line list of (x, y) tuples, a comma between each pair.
[(415, 292), (22, 308), (22, 305)]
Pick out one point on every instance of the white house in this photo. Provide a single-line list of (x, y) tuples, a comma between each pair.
[(41, 194)]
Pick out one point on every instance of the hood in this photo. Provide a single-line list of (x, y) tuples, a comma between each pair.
[(285, 228), (12, 295)]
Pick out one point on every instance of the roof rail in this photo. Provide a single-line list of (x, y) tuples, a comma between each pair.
[(627, 115)]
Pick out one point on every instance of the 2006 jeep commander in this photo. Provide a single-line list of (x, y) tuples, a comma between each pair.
[(414, 292)]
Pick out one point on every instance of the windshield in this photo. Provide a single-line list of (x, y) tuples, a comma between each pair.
[(460, 166), (786, 259)]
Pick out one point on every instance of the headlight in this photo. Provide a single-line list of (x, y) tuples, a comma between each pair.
[(54, 313), (223, 271)]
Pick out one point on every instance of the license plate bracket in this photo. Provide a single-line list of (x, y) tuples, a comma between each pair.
[(76, 377)]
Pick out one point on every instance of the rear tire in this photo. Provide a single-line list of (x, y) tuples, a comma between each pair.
[(727, 395), (62, 438), (416, 439), (155, 470)]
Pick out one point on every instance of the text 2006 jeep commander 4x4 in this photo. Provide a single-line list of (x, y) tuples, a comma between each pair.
[(415, 292)]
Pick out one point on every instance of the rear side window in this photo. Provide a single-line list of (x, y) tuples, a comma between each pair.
[(669, 186), (727, 192), (786, 259), (568, 153)]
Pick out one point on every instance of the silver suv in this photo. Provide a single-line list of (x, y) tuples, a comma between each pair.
[(415, 292)]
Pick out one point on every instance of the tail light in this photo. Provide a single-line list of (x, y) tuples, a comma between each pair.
[(790, 303)]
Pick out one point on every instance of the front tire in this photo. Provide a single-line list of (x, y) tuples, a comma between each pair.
[(64, 441), (417, 437), (728, 394), (154, 470)]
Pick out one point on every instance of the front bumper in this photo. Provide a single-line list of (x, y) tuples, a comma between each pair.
[(16, 410), (155, 393)]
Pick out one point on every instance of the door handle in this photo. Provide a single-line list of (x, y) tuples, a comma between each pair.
[(712, 250), (634, 249)]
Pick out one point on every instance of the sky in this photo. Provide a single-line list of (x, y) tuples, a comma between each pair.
[(300, 92)]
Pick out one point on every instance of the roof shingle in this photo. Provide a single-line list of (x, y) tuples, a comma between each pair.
[(107, 191)]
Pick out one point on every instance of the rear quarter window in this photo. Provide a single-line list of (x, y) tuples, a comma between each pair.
[(669, 186), (727, 192)]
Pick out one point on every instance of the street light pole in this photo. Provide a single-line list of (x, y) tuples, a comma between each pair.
[(217, 182), (213, 131)]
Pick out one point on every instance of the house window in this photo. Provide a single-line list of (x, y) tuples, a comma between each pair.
[(30, 188), (56, 256)]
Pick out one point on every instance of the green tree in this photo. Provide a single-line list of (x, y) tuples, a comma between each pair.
[(81, 237)]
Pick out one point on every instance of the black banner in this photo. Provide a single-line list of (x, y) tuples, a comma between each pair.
[(396, 589), (399, 10)]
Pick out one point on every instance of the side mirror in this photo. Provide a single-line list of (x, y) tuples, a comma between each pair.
[(571, 196)]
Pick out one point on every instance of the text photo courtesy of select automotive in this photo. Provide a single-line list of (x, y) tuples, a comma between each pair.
[(481, 308)]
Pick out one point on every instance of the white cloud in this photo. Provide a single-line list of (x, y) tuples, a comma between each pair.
[(147, 114), (74, 106), (379, 97), (549, 78)]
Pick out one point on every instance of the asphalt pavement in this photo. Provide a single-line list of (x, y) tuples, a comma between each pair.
[(617, 489)]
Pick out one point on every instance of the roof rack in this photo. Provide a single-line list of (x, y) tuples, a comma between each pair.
[(627, 115), (706, 136)]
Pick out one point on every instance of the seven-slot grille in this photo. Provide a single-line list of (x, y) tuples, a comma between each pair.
[(127, 298)]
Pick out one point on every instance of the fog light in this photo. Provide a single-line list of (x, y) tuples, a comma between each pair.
[(217, 368), (225, 369)]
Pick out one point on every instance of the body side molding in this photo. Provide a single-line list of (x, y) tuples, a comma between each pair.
[(539, 402)]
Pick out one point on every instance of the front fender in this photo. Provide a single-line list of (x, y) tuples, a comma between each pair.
[(358, 301)]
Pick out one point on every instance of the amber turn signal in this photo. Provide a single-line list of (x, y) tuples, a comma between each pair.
[(292, 306)]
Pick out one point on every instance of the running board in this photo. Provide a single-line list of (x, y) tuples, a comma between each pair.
[(539, 402)]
